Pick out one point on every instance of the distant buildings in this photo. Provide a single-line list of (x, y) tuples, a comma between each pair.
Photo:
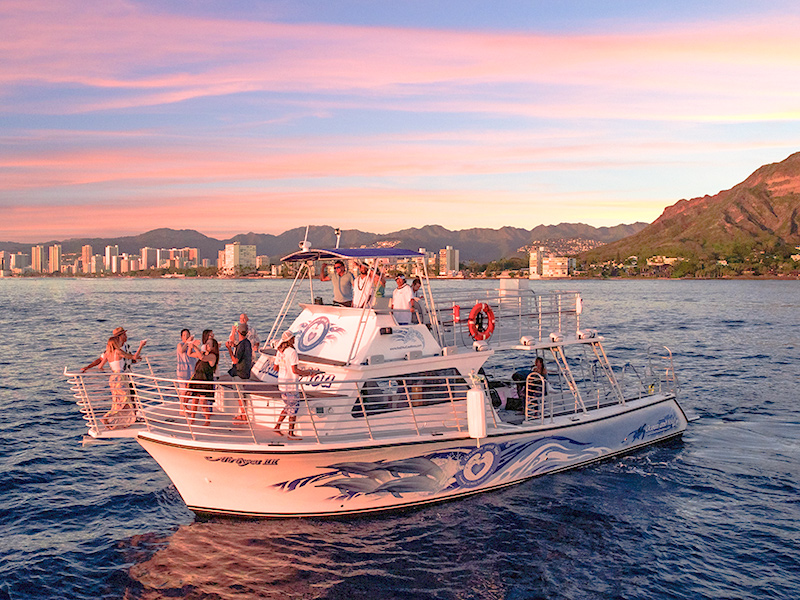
[(148, 258), (544, 265), (86, 258), (37, 259), (262, 262), (238, 257), (448, 262), (55, 259)]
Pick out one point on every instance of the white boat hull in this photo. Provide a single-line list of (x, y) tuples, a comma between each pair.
[(320, 479)]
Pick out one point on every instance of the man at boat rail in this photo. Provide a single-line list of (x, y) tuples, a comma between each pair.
[(342, 281)]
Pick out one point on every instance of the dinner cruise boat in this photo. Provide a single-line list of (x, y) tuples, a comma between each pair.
[(399, 408)]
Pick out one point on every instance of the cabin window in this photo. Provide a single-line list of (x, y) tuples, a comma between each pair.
[(424, 388)]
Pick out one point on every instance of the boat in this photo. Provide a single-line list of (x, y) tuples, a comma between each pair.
[(397, 412)]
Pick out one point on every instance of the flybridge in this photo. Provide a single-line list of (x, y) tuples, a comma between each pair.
[(350, 254)]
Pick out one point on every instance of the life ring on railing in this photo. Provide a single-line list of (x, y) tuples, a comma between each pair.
[(481, 322)]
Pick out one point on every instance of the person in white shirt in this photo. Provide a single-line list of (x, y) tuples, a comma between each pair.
[(289, 373), (364, 287), (402, 301)]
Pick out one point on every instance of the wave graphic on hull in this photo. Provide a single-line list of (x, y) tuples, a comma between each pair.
[(453, 470)]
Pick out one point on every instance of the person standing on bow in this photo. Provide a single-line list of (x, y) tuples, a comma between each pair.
[(128, 360), (185, 366), (123, 410), (342, 281), (289, 373), (251, 332), (241, 355), (207, 359)]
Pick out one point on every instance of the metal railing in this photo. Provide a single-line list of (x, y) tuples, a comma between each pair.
[(242, 412), (585, 383), (516, 315)]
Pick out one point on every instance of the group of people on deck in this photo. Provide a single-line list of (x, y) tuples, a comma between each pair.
[(198, 361), (360, 291)]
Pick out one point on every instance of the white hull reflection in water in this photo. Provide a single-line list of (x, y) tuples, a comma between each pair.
[(396, 413)]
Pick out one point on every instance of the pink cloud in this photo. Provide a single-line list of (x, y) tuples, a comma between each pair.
[(151, 59)]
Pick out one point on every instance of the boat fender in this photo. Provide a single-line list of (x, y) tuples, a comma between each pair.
[(456, 313), (476, 413), (481, 322)]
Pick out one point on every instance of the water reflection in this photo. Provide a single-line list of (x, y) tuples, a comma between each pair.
[(411, 555)]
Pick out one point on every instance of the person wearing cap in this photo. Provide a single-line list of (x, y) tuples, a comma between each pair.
[(289, 373), (241, 354), (342, 281), (402, 301)]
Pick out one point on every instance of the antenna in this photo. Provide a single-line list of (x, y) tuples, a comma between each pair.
[(305, 245)]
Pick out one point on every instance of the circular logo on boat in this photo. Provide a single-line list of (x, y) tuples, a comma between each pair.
[(313, 335), (478, 466)]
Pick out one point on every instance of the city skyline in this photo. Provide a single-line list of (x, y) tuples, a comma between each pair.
[(122, 117)]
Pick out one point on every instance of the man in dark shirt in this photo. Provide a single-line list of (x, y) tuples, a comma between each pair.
[(241, 354)]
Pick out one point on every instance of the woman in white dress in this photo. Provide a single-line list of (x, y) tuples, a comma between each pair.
[(123, 410)]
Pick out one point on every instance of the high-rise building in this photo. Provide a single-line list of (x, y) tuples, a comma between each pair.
[(535, 264), (55, 258), (239, 257), (97, 262), (110, 252), (149, 258), (448, 261), (37, 259), (19, 261), (543, 264), (86, 258)]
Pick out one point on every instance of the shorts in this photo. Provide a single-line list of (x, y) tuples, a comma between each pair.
[(292, 402)]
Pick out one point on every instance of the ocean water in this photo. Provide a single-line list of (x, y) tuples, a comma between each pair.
[(714, 515)]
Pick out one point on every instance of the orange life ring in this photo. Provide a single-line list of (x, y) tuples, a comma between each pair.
[(481, 321)]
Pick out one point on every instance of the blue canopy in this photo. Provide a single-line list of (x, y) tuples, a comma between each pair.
[(350, 254)]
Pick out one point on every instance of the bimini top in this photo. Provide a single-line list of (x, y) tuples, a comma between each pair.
[(349, 254)]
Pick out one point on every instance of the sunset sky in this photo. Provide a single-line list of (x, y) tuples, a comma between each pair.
[(227, 117)]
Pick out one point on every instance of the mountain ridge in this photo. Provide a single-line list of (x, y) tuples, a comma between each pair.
[(478, 244), (761, 211)]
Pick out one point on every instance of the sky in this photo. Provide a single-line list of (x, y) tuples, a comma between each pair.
[(118, 117)]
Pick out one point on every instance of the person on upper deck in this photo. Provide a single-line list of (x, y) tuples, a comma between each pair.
[(342, 280), (402, 301), (365, 284), (416, 288)]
